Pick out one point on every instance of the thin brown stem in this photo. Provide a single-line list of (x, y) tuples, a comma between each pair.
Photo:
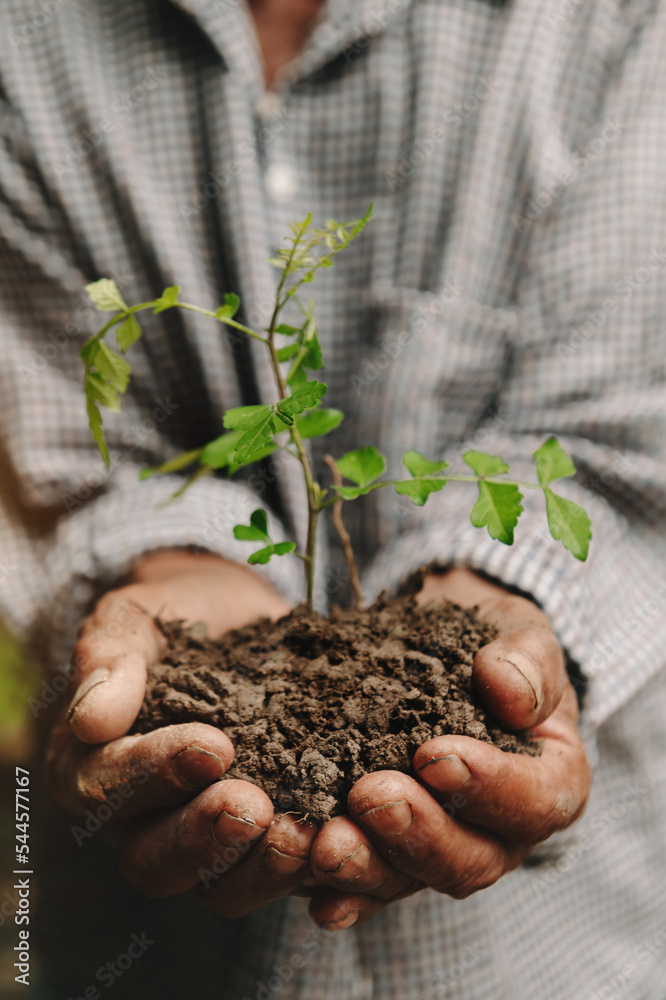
[(344, 536)]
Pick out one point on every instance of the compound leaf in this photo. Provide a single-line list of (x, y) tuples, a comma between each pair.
[(174, 464), (319, 422), (167, 300), (498, 508), (484, 464), (128, 333), (362, 466), (569, 523), (105, 296), (230, 307), (552, 462), (418, 490), (418, 465)]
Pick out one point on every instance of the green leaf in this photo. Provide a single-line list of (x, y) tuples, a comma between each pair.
[(245, 416), (498, 508), (264, 555), (258, 435), (286, 330), (174, 464), (220, 452), (552, 462), (284, 353), (352, 492), (569, 523), (319, 422), (303, 398), (112, 368), (95, 424), (418, 465), (362, 466), (256, 530), (230, 307), (418, 490), (259, 520), (282, 548), (167, 300), (251, 457), (128, 333), (484, 464), (313, 359), (105, 296), (102, 392)]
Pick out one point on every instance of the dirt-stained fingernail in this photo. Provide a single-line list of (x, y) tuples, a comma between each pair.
[(389, 819), (278, 863), (195, 767), (344, 922), (528, 676), (353, 865), (99, 676), (446, 773), (239, 830)]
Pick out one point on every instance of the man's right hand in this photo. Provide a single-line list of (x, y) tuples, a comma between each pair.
[(173, 818)]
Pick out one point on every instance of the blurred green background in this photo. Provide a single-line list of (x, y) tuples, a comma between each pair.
[(19, 681)]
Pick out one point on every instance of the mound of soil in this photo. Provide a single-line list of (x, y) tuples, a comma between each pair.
[(313, 704)]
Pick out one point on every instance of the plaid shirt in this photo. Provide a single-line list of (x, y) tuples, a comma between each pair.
[(511, 286)]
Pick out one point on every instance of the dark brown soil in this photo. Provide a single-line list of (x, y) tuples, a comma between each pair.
[(311, 705)]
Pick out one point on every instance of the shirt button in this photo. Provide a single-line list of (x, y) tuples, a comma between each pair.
[(281, 182)]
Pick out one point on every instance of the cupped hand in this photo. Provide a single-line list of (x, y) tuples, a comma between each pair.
[(157, 796), (472, 812)]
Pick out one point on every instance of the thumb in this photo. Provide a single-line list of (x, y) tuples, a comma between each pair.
[(118, 643)]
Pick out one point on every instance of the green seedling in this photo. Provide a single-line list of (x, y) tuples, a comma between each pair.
[(254, 432)]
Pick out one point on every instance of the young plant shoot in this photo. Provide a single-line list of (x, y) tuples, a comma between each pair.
[(254, 432)]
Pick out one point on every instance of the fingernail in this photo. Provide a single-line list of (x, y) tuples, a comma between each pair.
[(353, 865), (390, 819), (278, 863), (340, 925), (195, 767), (529, 676), (239, 830), (99, 676), (447, 773)]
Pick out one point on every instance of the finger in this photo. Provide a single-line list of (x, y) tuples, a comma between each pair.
[(169, 853), (336, 911), (273, 868), (137, 773), (520, 676), (522, 798), (118, 643), (344, 857), (416, 836)]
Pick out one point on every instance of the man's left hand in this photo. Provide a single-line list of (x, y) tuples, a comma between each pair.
[(472, 812)]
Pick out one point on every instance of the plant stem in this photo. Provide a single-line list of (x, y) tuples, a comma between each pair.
[(344, 536), (227, 320), (303, 458)]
